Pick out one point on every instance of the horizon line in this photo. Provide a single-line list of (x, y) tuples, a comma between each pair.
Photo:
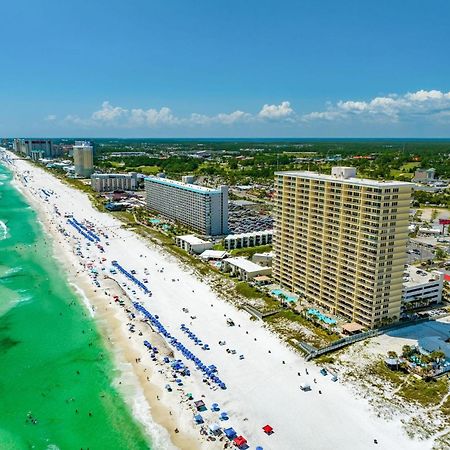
[(256, 138)]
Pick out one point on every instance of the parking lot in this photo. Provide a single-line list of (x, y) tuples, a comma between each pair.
[(246, 220), (419, 251)]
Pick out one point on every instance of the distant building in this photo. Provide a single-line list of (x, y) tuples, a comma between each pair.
[(35, 148), (424, 175), (192, 244), (421, 288), (188, 179), (83, 157), (252, 239), (244, 269), (66, 150), (264, 259), (126, 154), (202, 209), (107, 182)]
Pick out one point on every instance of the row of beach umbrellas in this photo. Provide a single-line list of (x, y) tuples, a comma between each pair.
[(192, 336), (209, 371), (131, 277), (87, 230), (80, 230)]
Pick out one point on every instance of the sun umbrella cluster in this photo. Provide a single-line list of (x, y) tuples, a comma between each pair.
[(131, 277), (88, 234), (209, 371), (191, 335)]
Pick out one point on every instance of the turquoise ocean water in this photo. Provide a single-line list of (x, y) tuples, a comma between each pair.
[(55, 375)]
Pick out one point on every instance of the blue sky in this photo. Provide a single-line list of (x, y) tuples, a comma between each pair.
[(225, 68)]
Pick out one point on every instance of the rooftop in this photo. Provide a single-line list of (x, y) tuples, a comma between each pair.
[(114, 175), (191, 239), (213, 254), (245, 264), (181, 185), (414, 276), (359, 181), (250, 234)]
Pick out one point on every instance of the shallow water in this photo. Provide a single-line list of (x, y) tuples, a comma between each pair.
[(52, 360)]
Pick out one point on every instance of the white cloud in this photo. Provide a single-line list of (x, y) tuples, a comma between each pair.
[(51, 118), (221, 118), (109, 113), (422, 95), (422, 106), (152, 117), (120, 117), (428, 105), (280, 111)]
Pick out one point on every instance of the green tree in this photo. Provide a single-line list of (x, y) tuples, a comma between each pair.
[(440, 254), (406, 351)]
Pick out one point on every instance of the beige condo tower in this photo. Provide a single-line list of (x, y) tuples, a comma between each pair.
[(341, 242), (83, 158)]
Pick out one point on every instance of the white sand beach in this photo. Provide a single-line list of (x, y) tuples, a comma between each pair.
[(262, 388)]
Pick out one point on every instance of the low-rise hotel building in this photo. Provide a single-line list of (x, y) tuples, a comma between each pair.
[(421, 288), (244, 269), (192, 244), (107, 182), (252, 239)]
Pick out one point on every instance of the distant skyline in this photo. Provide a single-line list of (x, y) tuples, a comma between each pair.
[(266, 68)]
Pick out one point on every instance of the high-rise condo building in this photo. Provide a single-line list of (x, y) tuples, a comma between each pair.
[(341, 242), (202, 209), (35, 148), (83, 158)]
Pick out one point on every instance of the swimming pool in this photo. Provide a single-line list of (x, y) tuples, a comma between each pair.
[(320, 316), (278, 292)]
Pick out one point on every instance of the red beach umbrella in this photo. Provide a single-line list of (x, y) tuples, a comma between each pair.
[(240, 441)]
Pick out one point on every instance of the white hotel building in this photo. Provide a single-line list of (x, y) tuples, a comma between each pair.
[(199, 208), (421, 288), (106, 182)]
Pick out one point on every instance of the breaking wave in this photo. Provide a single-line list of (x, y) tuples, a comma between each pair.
[(3, 230)]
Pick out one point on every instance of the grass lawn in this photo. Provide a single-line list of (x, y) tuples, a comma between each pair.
[(380, 370), (410, 165), (395, 173), (250, 251), (117, 164), (146, 170), (244, 289), (427, 393)]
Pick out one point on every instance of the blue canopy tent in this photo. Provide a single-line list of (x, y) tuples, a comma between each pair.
[(198, 419), (230, 433)]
